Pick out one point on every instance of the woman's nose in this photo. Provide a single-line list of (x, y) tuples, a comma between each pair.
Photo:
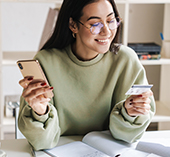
[(105, 29)]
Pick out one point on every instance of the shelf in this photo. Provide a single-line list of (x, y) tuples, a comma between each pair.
[(148, 1), (8, 121), (161, 61), (120, 1), (8, 125), (10, 58)]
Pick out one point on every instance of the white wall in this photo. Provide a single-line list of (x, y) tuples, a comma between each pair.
[(146, 22), (10, 78), (22, 25)]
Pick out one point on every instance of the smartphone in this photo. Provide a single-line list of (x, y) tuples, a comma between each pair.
[(138, 89), (33, 68)]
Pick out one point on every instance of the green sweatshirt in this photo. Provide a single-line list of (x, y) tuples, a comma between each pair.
[(88, 96)]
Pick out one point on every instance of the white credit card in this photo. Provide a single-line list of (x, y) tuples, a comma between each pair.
[(138, 89)]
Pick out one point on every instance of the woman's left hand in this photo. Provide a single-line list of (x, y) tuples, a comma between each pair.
[(137, 105)]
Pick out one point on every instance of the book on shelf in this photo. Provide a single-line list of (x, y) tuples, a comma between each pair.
[(102, 144), (146, 51), (147, 56), (49, 26)]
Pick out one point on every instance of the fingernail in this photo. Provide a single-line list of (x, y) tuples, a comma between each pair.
[(43, 84), (30, 78), (140, 95), (131, 99), (51, 88)]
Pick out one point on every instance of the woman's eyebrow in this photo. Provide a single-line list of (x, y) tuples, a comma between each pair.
[(110, 14), (96, 17), (93, 17)]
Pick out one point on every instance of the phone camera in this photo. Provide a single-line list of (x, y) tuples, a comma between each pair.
[(20, 66)]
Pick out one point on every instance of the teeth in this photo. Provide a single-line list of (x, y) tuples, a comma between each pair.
[(102, 41)]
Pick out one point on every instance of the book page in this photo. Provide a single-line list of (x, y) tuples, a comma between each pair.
[(156, 146), (106, 143), (153, 155), (75, 149), (135, 153)]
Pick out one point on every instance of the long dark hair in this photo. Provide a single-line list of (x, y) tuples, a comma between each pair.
[(62, 35)]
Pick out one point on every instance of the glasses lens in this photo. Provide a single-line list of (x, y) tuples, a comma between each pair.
[(96, 28), (113, 24)]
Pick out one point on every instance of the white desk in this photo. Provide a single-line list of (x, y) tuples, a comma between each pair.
[(21, 148), (16, 148)]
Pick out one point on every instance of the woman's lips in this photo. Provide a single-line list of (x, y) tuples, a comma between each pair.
[(102, 41)]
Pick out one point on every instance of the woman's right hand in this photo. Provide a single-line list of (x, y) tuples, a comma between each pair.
[(34, 93)]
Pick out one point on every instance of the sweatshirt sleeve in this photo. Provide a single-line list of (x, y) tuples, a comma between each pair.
[(127, 128), (42, 132), (123, 126)]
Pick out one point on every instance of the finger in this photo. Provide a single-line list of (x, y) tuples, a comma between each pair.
[(24, 82), (143, 111), (147, 94), (33, 86), (139, 108), (136, 111), (41, 99), (141, 105), (141, 100), (37, 93)]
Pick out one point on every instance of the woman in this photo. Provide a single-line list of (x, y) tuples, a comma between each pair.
[(89, 74)]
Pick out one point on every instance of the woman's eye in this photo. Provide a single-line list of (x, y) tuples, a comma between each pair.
[(112, 21), (96, 24)]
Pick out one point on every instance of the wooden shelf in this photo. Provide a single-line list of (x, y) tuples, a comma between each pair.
[(161, 61), (120, 1), (8, 121), (148, 1), (8, 125), (10, 58)]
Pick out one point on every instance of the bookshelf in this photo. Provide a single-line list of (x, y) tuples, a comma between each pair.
[(132, 12), (1, 107)]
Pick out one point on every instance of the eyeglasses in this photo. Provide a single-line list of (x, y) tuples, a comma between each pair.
[(97, 27)]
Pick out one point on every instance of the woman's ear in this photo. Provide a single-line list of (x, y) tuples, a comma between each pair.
[(73, 26)]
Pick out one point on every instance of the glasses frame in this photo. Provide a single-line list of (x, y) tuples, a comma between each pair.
[(120, 19)]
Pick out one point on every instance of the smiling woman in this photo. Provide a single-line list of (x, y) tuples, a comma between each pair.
[(90, 73), (97, 40)]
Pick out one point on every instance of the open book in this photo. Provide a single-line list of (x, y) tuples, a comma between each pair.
[(102, 144)]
